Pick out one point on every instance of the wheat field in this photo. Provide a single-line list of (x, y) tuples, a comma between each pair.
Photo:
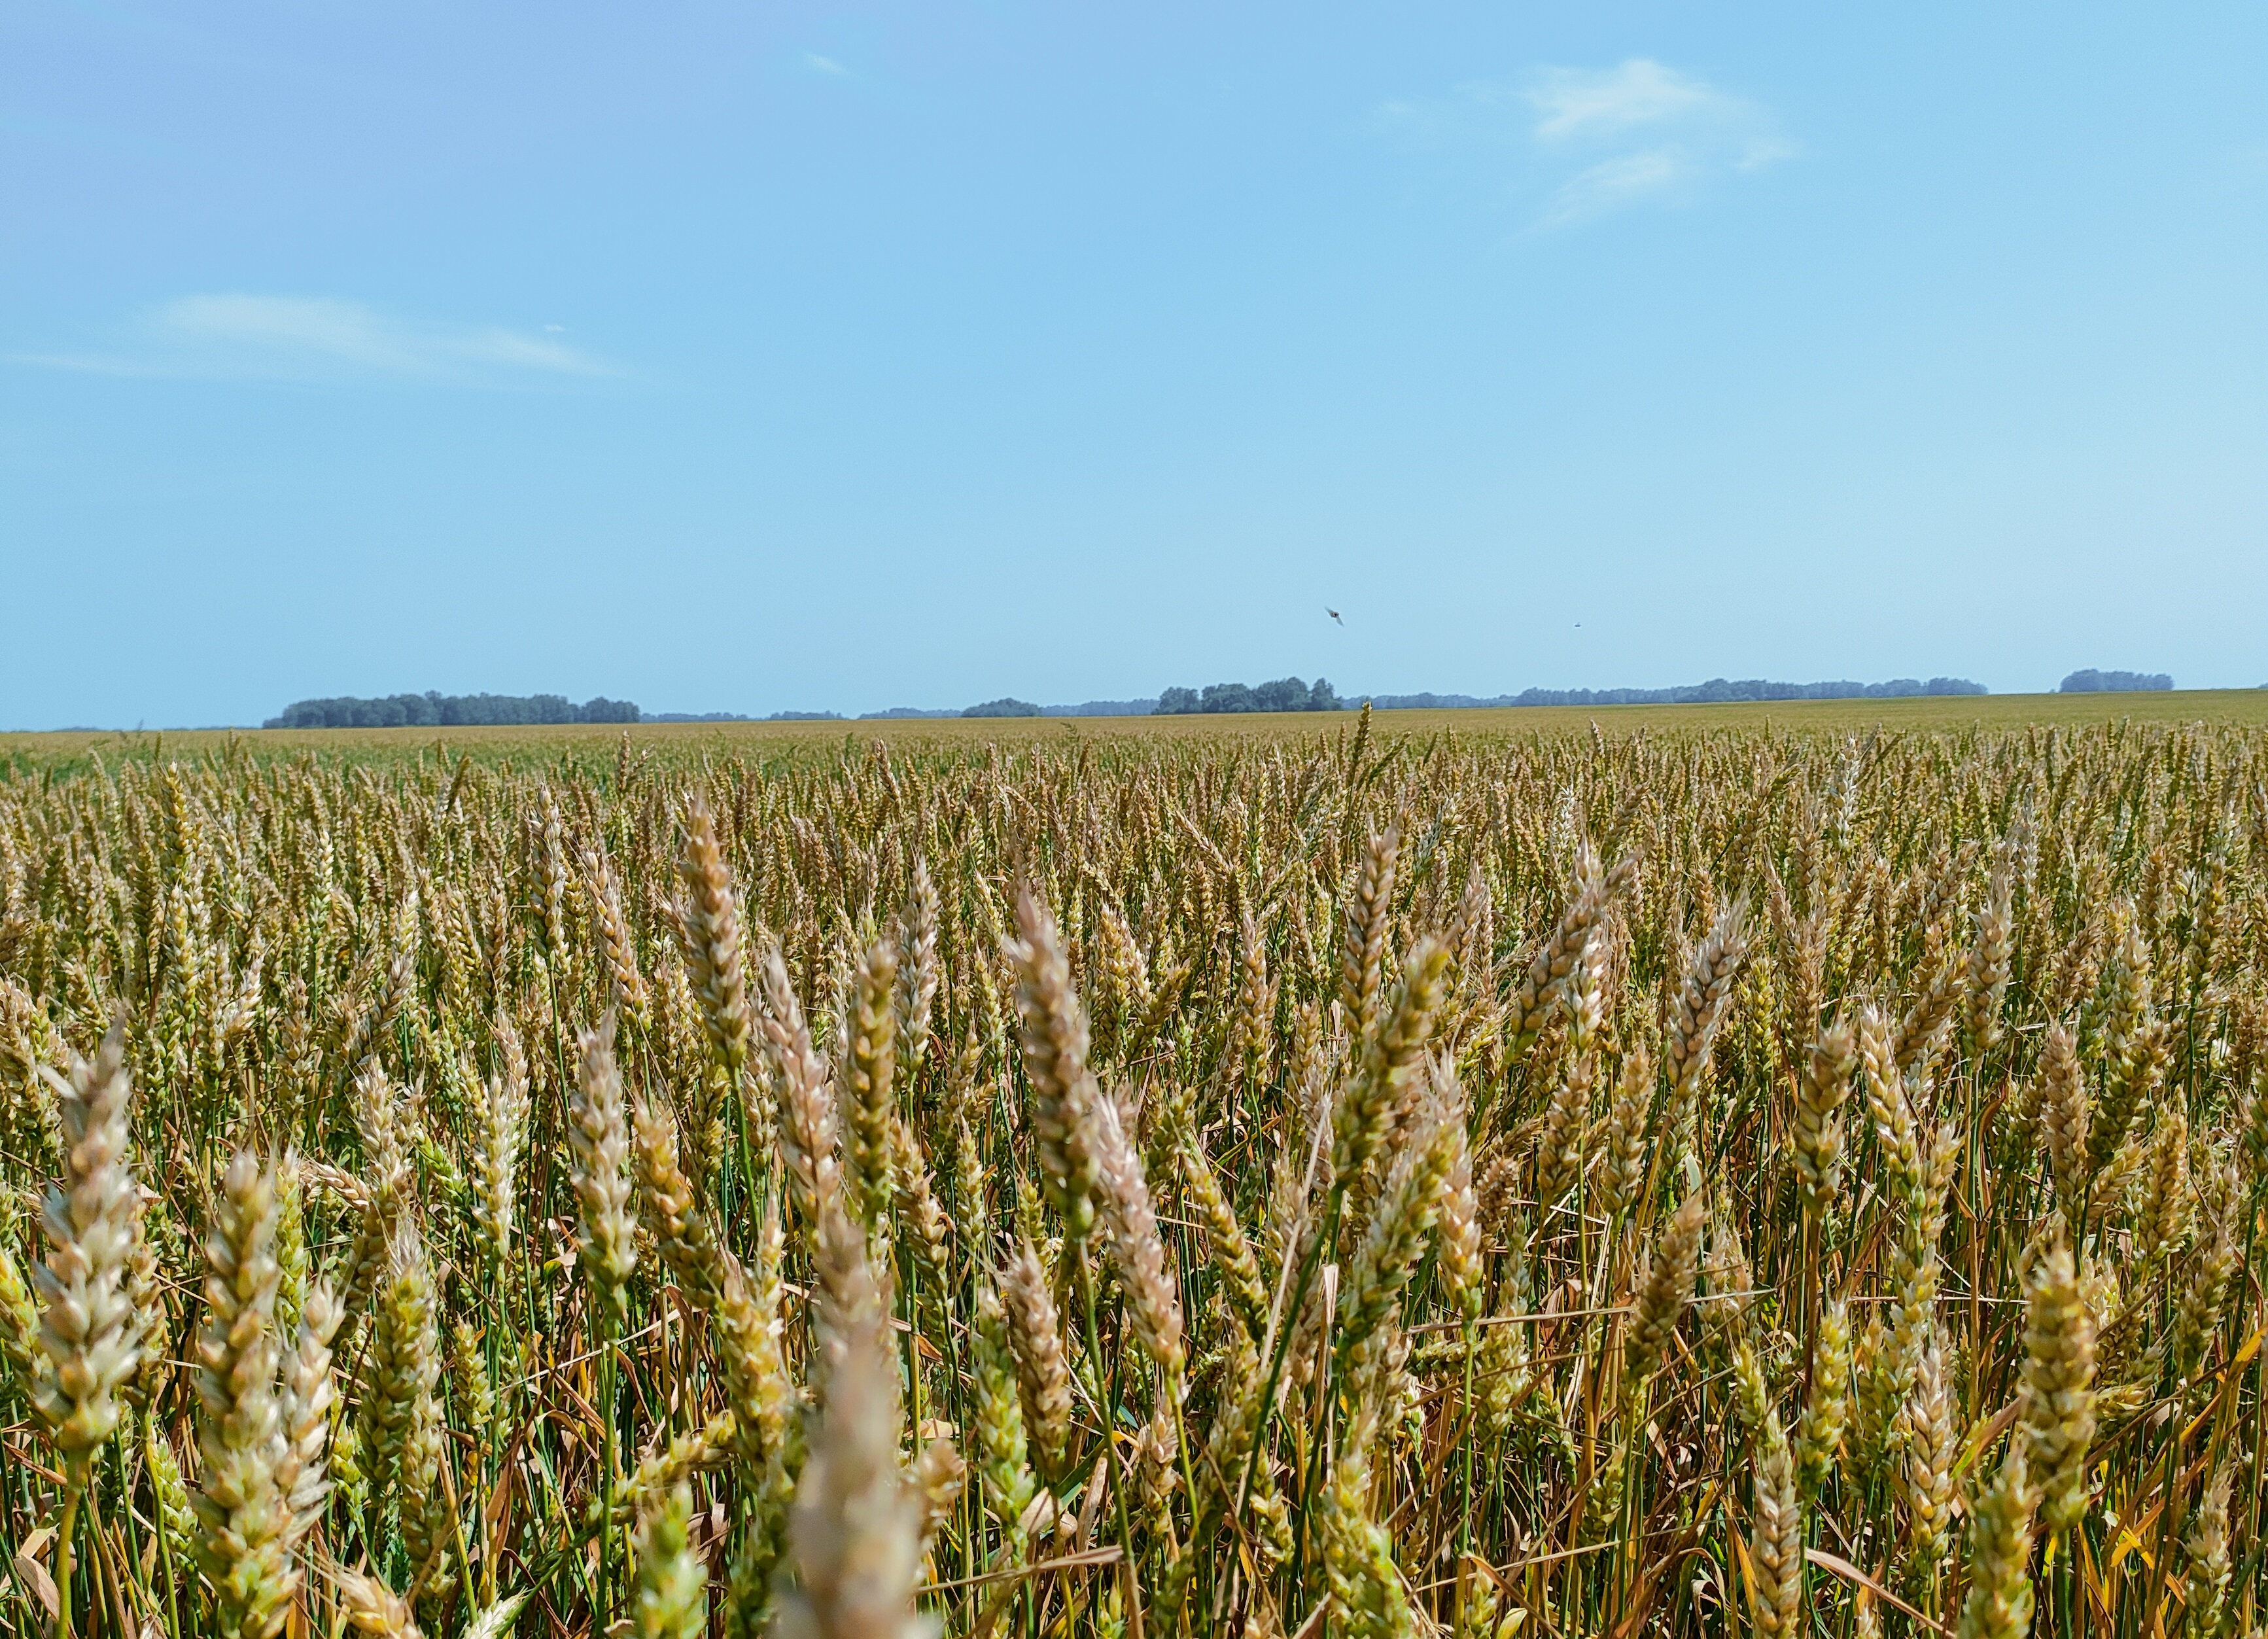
[(1613, 1177)]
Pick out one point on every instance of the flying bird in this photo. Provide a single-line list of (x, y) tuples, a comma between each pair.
[(1334, 614)]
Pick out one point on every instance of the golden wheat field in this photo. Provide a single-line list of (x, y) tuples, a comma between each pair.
[(1602, 1174)]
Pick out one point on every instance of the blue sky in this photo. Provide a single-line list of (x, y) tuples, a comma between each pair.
[(750, 358)]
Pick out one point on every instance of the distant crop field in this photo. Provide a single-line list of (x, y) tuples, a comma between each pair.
[(677, 743), (1740, 1172)]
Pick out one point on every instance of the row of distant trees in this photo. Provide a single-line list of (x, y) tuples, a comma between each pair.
[(1290, 694), (432, 710), (1716, 691), (1285, 694)]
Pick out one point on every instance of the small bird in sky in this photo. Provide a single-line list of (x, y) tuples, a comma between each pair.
[(1334, 614)]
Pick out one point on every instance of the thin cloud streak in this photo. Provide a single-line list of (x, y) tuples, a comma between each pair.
[(238, 336), (1613, 183), (1640, 132), (1573, 103)]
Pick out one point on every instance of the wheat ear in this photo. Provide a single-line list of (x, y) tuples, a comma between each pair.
[(88, 1326), (857, 1526), (598, 1138), (245, 1547)]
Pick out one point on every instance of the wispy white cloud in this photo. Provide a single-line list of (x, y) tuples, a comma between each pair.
[(1574, 103), (829, 66), (1613, 183), (1640, 132), (303, 338)]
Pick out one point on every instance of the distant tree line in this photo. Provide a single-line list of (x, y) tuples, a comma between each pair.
[(2091, 682), (1010, 706), (1717, 691), (1102, 708), (432, 710), (740, 717), (1285, 694)]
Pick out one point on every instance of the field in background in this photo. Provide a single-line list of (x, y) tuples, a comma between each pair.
[(758, 743)]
